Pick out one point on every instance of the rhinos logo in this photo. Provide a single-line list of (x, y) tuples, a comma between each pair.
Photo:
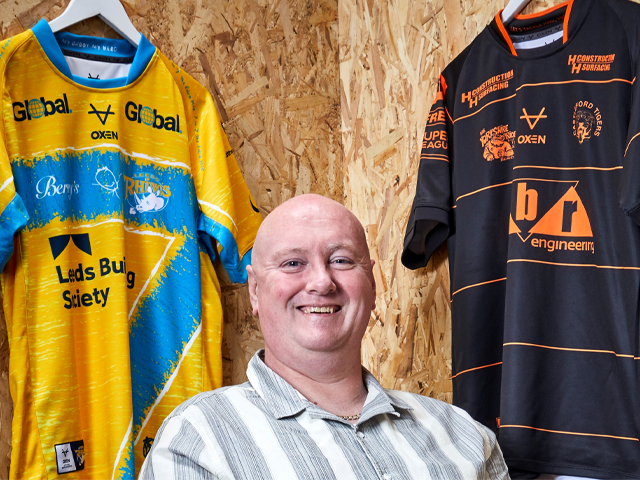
[(145, 194), (587, 121)]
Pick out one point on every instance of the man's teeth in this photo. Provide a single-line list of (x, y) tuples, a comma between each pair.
[(319, 309)]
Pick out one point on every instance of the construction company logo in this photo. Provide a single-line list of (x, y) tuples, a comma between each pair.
[(145, 194), (495, 83), (532, 121), (83, 274), (497, 143), (70, 457), (587, 121), (37, 108), (551, 208), (591, 63), (150, 117)]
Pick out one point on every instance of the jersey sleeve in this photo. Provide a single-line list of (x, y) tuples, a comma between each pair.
[(229, 219), (14, 214), (429, 220)]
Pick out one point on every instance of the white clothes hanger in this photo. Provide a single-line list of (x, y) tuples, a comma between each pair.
[(110, 11), (513, 8)]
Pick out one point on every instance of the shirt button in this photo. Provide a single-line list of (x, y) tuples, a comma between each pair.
[(361, 435)]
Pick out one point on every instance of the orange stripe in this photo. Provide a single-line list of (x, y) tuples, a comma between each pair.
[(568, 168), (565, 24), (632, 139), (630, 82), (506, 36), (428, 157), (478, 284), (612, 267), (454, 206), (539, 85), (516, 180), (479, 110), (437, 155), (476, 368), (448, 115), (571, 433), (432, 124), (485, 188), (542, 13), (436, 109), (623, 355)]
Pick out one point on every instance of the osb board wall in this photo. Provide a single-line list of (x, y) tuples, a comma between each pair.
[(272, 68)]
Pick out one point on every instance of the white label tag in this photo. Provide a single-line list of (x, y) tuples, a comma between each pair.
[(64, 458)]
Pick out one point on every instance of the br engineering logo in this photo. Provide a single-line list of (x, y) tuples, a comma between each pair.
[(552, 214), (151, 118), (37, 108)]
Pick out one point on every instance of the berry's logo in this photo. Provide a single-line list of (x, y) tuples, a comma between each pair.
[(37, 108), (497, 143), (587, 121), (151, 117)]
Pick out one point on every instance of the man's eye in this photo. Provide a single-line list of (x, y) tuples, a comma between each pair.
[(342, 261), (292, 263)]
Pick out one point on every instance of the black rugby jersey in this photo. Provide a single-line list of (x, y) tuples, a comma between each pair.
[(521, 170)]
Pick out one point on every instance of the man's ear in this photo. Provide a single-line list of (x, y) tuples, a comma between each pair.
[(253, 289)]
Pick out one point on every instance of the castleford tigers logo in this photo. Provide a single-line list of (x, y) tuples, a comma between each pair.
[(552, 215), (587, 121), (497, 143), (591, 63)]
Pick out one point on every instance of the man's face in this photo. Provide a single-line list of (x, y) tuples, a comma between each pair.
[(312, 287)]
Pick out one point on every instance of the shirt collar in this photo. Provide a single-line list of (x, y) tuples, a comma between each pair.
[(285, 401)]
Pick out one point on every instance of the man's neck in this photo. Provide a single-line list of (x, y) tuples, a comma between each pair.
[(337, 387)]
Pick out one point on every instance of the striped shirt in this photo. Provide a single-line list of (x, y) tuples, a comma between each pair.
[(265, 429)]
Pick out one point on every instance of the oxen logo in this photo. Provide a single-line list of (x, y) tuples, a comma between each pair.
[(497, 143), (587, 121)]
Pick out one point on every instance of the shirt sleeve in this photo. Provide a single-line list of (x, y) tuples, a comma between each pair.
[(229, 218), (14, 214), (429, 220)]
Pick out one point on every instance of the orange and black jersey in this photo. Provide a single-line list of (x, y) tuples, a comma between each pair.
[(523, 170)]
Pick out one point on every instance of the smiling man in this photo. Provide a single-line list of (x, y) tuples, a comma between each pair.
[(309, 409)]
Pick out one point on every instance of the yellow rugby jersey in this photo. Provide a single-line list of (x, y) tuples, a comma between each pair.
[(118, 188)]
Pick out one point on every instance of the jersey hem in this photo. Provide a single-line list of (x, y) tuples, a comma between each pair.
[(562, 469)]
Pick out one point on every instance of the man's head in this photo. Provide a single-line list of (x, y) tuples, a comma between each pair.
[(311, 281)]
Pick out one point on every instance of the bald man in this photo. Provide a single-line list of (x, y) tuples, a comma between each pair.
[(309, 409)]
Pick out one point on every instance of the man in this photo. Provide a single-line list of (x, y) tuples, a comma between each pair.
[(309, 409)]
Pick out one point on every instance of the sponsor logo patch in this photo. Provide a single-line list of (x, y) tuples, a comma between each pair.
[(40, 107), (591, 63), (587, 121), (70, 457), (497, 143)]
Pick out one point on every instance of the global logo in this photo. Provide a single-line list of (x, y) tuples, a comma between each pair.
[(37, 108), (151, 117)]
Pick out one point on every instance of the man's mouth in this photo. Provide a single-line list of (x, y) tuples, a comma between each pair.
[(323, 309)]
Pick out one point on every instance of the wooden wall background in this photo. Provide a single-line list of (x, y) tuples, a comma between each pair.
[(322, 96)]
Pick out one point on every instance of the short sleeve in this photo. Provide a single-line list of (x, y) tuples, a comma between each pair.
[(14, 214), (429, 219), (229, 218)]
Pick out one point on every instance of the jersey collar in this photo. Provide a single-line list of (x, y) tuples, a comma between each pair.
[(50, 45), (575, 12)]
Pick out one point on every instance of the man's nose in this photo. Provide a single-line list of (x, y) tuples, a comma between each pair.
[(320, 280)]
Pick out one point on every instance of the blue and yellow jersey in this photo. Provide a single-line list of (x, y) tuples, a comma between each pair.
[(118, 188)]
